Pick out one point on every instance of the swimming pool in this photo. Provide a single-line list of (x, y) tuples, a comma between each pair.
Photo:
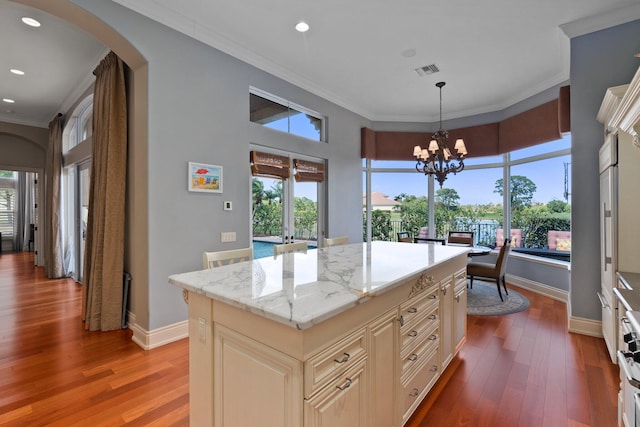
[(262, 249)]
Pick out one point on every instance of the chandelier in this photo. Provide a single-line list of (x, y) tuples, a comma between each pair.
[(437, 158)]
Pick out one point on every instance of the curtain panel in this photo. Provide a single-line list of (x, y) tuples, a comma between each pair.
[(53, 263), (104, 262)]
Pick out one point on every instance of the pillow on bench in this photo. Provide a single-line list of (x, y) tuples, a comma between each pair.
[(563, 244)]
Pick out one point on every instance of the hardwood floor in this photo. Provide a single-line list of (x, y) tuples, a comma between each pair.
[(523, 369)]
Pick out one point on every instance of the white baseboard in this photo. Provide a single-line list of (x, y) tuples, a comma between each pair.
[(576, 325), (158, 337), (580, 325), (539, 288)]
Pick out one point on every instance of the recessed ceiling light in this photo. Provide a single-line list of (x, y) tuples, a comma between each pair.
[(30, 21), (302, 27), (408, 53), (16, 71), (8, 101)]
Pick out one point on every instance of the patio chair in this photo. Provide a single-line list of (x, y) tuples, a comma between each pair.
[(405, 236), (516, 237)]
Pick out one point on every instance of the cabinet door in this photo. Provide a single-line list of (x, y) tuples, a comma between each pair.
[(446, 321), (607, 232), (460, 317), (343, 403), (254, 385), (383, 368)]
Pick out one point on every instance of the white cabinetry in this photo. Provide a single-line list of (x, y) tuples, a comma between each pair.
[(371, 365), (619, 168)]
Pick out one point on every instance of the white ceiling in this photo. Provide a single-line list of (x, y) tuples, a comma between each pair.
[(491, 54)]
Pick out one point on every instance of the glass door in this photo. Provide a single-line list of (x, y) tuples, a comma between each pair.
[(82, 213), (285, 211)]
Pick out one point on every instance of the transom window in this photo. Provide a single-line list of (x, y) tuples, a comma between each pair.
[(279, 114)]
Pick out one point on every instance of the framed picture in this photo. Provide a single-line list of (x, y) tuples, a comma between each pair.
[(205, 178)]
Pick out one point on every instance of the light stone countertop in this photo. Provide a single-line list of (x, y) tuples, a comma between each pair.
[(301, 290)]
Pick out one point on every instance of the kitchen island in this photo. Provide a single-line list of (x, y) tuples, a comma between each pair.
[(351, 335)]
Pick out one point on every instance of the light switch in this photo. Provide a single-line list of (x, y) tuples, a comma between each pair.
[(229, 236)]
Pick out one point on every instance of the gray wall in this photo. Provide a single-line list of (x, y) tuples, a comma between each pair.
[(22, 147), (598, 61), (198, 110)]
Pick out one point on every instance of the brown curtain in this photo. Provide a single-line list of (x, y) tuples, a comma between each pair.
[(103, 261), (53, 263)]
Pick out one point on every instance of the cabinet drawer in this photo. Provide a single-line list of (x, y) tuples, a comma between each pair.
[(413, 333), (460, 277), (416, 307), (328, 364), (415, 356), (414, 390)]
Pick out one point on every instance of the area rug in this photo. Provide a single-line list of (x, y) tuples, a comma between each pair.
[(483, 300)]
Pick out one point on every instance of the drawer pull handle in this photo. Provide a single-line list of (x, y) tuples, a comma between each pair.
[(434, 368), (444, 291), (414, 392), (401, 320), (413, 334), (344, 358), (413, 357), (433, 296), (625, 320), (457, 298), (433, 317), (433, 337), (346, 385), (412, 310)]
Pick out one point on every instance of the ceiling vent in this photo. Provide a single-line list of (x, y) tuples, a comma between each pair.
[(427, 69)]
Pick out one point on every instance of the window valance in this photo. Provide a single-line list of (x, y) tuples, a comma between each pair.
[(538, 125), (308, 171), (269, 165)]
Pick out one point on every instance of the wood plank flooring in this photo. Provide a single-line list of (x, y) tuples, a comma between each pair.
[(523, 369)]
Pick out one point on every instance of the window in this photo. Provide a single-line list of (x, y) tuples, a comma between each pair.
[(79, 127), (279, 114), (7, 203), (474, 199)]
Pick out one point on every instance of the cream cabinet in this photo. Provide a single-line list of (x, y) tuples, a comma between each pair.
[(371, 365), (273, 390), (460, 309), (342, 403)]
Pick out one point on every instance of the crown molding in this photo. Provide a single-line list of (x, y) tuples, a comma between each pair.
[(594, 23)]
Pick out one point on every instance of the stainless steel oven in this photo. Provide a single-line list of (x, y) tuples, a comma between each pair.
[(636, 401), (629, 402)]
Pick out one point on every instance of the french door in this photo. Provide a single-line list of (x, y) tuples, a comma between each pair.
[(287, 210)]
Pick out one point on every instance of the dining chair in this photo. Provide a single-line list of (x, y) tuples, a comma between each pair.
[(220, 258), (335, 241), (460, 238), (430, 240), (289, 247), (404, 236), (488, 270)]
